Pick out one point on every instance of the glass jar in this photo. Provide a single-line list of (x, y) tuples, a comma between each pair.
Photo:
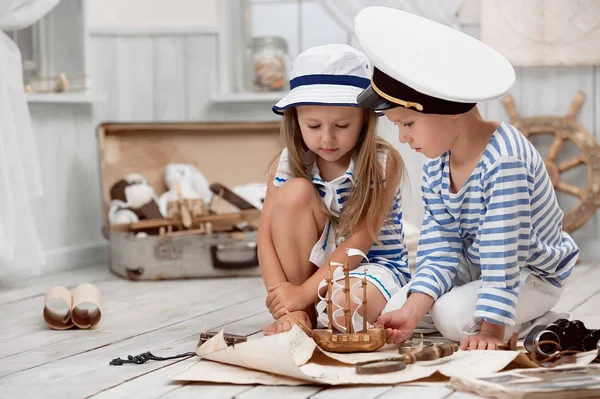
[(269, 58)]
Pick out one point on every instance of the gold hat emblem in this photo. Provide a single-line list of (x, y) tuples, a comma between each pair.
[(405, 104)]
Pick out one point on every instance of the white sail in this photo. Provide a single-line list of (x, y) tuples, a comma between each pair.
[(356, 252), (338, 313), (322, 305), (357, 319), (338, 287)]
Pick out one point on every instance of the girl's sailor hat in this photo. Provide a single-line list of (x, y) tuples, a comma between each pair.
[(331, 74)]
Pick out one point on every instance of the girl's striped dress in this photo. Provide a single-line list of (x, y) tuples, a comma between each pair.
[(391, 254)]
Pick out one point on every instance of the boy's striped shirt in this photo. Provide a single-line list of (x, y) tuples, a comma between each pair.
[(504, 218)]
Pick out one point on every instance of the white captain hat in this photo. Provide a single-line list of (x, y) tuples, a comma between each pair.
[(426, 66)]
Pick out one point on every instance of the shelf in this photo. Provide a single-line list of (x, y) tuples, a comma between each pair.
[(65, 98), (270, 97)]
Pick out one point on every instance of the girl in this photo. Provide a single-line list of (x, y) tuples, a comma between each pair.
[(334, 186), (492, 256)]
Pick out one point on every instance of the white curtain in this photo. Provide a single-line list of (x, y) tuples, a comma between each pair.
[(443, 11), (21, 252)]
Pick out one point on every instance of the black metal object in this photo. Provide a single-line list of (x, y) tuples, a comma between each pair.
[(562, 335), (144, 357), (230, 340)]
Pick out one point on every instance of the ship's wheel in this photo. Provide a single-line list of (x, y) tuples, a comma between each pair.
[(566, 129)]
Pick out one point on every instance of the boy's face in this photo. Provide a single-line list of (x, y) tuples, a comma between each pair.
[(429, 134), (330, 132)]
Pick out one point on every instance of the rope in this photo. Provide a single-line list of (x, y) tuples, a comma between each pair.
[(146, 356)]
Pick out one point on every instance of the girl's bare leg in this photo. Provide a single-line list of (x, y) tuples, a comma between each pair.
[(297, 222)]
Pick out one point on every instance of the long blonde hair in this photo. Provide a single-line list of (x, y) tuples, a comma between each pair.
[(371, 197)]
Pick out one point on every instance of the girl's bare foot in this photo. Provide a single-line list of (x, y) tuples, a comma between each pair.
[(286, 322)]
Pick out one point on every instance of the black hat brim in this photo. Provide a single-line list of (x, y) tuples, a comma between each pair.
[(369, 99)]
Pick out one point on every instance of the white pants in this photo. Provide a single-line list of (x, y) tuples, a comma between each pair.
[(452, 313)]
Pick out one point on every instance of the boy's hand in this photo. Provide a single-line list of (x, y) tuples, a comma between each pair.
[(286, 296), (398, 324), (482, 341), (490, 337)]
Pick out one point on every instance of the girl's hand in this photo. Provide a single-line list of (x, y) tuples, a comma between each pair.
[(286, 296)]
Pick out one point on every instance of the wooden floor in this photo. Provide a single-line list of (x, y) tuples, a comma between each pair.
[(166, 318)]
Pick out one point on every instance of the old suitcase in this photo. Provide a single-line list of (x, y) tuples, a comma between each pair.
[(225, 153)]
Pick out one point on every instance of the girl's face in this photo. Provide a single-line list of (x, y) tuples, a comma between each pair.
[(331, 132), (429, 134)]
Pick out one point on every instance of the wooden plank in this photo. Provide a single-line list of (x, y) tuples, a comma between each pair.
[(571, 80), (360, 392), (495, 109), (330, 31), (578, 288), (154, 383), (280, 18), (120, 321), (595, 130), (216, 391), (88, 373), (13, 291), (201, 76), (21, 335), (112, 289), (588, 311), (158, 381), (67, 226), (463, 395), (435, 391), (150, 313), (169, 78), (232, 218), (66, 42), (550, 91), (115, 293), (208, 128), (241, 327), (103, 67), (135, 77), (276, 392)]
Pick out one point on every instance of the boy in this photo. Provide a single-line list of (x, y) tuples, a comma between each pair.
[(492, 256)]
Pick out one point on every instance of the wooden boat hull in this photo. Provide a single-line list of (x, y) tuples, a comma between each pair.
[(370, 341)]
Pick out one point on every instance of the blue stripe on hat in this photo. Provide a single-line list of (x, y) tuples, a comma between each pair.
[(344, 80)]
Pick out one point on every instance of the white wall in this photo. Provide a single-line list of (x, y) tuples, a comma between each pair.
[(174, 77), (152, 14), (157, 60), (68, 215)]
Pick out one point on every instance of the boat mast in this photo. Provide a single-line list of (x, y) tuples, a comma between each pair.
[(329, 304), (347, 293), (364, 302)]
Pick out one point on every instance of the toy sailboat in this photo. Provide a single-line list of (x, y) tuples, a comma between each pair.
[(368, 339)]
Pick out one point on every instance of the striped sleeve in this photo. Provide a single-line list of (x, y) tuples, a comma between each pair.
[(440, 246), (504, 239)]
